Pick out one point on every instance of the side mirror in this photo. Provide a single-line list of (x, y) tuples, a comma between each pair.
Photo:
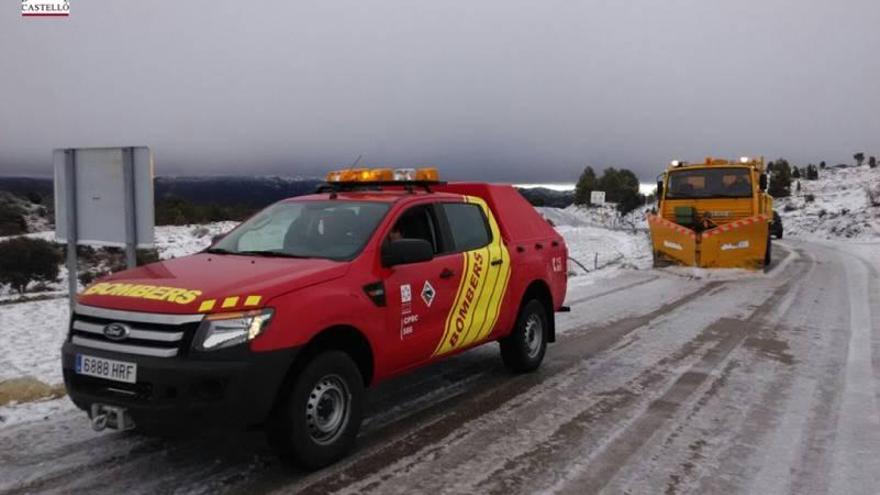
[(216, 238), (406, 251), (659, 190), (762, 182)]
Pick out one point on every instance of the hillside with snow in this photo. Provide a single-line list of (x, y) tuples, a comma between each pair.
[(844, 203)]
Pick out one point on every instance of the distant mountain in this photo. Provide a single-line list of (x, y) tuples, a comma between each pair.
[(542, 196), (254, 192), (248, 191)]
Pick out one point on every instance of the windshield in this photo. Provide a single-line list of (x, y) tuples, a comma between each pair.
[(335, 230), (710, 183)]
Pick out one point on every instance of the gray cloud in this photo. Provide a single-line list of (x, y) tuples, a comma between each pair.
[(503, 90)]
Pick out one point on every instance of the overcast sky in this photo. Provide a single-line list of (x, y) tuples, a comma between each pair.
[(494, 89)]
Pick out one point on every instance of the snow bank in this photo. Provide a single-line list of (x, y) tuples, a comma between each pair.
[(843, 204), (598, 243)]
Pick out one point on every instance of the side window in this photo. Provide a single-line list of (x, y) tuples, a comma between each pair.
[(416, 223), (468, 226)]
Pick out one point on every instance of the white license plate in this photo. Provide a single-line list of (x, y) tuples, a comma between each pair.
[(109, 369)]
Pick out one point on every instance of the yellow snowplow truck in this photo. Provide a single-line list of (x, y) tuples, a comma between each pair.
[(714, 214)]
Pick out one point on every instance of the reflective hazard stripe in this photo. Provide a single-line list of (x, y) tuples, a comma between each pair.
[(657, 219), (230, 302), (480, 292), (736, 224)]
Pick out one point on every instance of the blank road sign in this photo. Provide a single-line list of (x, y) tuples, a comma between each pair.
[(101, 192), (597, 197)]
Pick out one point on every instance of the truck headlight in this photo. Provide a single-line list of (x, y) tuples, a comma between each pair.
[(227, 329)]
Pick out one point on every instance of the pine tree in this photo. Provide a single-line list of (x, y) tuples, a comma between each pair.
[(780, 179), (859, 158), (585, 185)]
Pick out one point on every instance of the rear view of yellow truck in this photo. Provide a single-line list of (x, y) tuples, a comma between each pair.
[(713, 214)]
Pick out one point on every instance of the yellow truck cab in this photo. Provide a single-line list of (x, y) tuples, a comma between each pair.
[(713, 214)]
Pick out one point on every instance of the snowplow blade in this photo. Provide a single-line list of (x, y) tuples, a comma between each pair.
[(739, 244), (672, 242)]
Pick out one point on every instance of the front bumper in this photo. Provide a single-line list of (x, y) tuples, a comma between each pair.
[(185, 392)]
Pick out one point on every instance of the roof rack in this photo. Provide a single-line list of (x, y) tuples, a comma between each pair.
[(348, 186)]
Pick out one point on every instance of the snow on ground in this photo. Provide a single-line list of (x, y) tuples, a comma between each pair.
[(842, 209), (598, 245)]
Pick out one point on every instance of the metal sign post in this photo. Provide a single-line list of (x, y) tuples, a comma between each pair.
[(129, 207), (72, 266)]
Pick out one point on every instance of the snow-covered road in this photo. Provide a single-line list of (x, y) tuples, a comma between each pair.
[(661, 381)]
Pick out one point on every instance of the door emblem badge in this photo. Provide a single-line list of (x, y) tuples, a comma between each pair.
[(428, 293)]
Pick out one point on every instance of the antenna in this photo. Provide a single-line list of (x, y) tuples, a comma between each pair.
[(354, 163)]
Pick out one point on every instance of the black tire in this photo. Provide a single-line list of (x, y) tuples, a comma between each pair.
[(319, 413), (768, 256), (523, 350)]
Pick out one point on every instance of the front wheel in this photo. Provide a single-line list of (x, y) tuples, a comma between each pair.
[(523, 350), (319, 414)]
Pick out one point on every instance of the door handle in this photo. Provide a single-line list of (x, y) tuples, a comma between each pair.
[(446, 273), (495, 262)]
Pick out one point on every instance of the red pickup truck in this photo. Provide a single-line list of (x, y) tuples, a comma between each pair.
[(285, 320)]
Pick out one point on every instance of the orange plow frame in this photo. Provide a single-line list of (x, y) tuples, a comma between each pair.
[(738, 244)]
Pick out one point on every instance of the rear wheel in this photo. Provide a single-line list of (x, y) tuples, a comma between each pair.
[(768, 256), (523, 350), (319, 414)]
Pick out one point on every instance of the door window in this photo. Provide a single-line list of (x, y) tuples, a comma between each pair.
[(468, 226), (417, 223)]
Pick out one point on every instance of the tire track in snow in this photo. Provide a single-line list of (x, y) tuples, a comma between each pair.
[(600, 467), (389, 445)]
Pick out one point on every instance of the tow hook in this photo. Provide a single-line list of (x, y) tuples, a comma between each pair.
[(116, 418)]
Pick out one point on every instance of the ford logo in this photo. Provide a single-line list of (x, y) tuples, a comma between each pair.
[(116, 331)]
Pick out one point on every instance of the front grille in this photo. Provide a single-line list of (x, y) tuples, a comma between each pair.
[(149, 334)]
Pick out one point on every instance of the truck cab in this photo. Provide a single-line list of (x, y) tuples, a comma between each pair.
[(284, 321)]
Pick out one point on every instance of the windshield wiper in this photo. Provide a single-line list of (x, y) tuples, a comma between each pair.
[(270, 254), (219, 251)]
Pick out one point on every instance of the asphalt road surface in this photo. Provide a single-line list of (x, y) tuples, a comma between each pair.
[(662, 381)]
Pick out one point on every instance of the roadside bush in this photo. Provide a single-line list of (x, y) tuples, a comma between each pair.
[(88, 276), (24, 260), (176, 211)]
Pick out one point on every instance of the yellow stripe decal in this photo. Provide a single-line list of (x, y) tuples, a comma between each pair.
[(230, 302), (252, 300), (207, 305), (480, 292)]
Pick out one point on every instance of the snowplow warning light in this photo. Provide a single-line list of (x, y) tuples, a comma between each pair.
[(744, 159)]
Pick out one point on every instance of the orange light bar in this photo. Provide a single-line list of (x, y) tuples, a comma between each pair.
[(427, 173), (384, 175)]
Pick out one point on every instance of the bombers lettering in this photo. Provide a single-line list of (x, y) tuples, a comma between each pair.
[(466, 305), (153, 292)]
